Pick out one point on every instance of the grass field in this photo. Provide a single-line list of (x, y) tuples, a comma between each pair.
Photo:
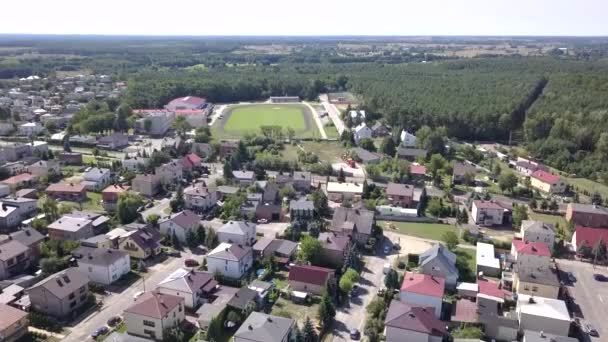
[(327, 151), (431, 231), (553, 219)]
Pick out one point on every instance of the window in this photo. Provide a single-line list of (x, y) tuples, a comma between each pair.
[(72, 304), (527, 287), (534, 288), (83, 298), (149, 332), (149, 323), (71, 296), (81, 289)]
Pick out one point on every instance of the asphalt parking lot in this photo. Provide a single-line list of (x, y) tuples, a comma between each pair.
[(590, 297)]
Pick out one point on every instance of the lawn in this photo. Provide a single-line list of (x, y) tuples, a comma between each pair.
[(92, 204), (431, 231), (327, 151), (470, 255), (548, 218), (331, 131), (298, 312), (584, 184)]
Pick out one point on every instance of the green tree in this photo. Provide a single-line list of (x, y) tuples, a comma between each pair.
[(326, 311), (233, 316), (388, 146), (507, 181), (287, 192), (210, 238), (599, 251), (128, 204), (123, 112), (435, 165), (450, 239), (319, 200), (435, 207), (346, 285), (152, 220), (310, 250), (228, 170), (181, 126), (50, 208), (147, 124), (584, 250), (468, 332), (367, 144), (173, 335), (177, 203), (308, 331), (200, 234), (175, 241), (191, 239), (553, 206), (391, 281), (242, 154), (520, 213)]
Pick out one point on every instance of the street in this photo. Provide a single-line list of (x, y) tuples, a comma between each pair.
[(158, 209), (315, 116)]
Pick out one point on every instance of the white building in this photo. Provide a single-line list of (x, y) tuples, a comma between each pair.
[(407, 139), (96, 178), (543, 314), (102, 265), (237, 232), (339, 192), (362, 131), (232, 261), (154, 313), (199, 198), (155, 122), (30, 128), (193, 286), (487, 213), (170, 173), (487, 262)]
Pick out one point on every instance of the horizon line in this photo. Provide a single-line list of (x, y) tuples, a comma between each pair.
[(304, 35)]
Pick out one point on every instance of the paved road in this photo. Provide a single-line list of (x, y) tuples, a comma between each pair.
[(334, 114), (158, 209), (116, 303), (315, 115), (219, 110)]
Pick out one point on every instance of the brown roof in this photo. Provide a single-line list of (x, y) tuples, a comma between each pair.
[(185, 219), (11, 249), (24, 177), (66, 187), (155, 305), (334, 241), (10, 316), (400, 189), (116, 188), (404, 316), (362, 219), (310, 274), (61, 284)]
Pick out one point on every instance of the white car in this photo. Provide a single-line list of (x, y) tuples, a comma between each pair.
[(137, 294)]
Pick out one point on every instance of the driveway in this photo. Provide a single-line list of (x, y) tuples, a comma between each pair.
[(158, 209)]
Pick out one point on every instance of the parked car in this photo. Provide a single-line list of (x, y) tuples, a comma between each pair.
[(114, 321), (137, 294), (173, 253), (262, 221), (600, 277), (100, 332), (589, 329), (355, 334), (190, 263)]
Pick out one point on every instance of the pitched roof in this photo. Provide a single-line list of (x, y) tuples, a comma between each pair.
[(237, 227), (242, 298), (588, 208), (405, 316), (439, 252), (334, 241), (301, 205), (62, 284), (241, 174), (186, 219), (490, 288), (417, 169), (545, 176), (10, 316), (400, 189), (189, 281), (363, 220), (23, 177), (154, 304), (228, 251), (531, 248), (116, 188), (27, 236), (66, 187), (481, 204), (590, 235), (282, 247), (411, 152), (310, 274), (543, 276), (537, 226), (461, 169), (11, 249), (423, 284), (260, 327), (99, 256), (145, 238), (191, 100), (69, 223), (366, 155)]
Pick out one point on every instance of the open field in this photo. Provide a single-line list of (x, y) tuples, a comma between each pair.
[(239, 120), (553, 219), (298, 312), (431, 231), (327, 151)]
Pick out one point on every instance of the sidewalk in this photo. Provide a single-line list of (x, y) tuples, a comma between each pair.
[(48, 333)]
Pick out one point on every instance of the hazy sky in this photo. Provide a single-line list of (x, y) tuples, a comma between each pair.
[(308, 17)]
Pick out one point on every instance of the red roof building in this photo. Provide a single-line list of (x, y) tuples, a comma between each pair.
[(490, 288), (545, 176), (531, 248), (418, 170), (186, 102), (405, 322), (423, 284), (191, 161), (312, 279), (589, 236)]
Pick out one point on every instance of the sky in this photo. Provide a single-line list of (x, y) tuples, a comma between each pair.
[(309, 17)]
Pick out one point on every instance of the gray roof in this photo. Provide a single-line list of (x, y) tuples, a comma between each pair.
[(365, 155), (537, 226), (537, 336), (71, 224), (541, 276), (27, 236), (301, 205), (98, 256), (261, 327), (589, 208), (361, 219), (189, 281), (439, 253), (11, 249), (264, 285), (124, 337), (461, 169), (301, 175), (61, 284), (237, 227), (243, 174), (334, 241), (283, 247), (226, 189), (242, 298), (411, 152), (228, 251)]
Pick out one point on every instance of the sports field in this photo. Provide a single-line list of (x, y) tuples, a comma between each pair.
[(238, 120)]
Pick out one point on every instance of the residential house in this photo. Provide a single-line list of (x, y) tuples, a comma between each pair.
[(543, 314), (225, 191), (339, 192), (98, 241), (542, 282), (44, 167), (195, 287), (537, 231), (410, 153), (28, 193), (463, 173), (270, 193), (15, 168), (301, 210), (588, 236), (232, 261), (301, 181), (362, 131), (109, 196), (60, 294), (217, 307), (140, 243), (26, 207), (170, 173), (424, 290), (15, 151), (486, 260), (238, 232), (191, 162), (113, 141), (587, 215), (410, 322), (199, 198), (70, 227), (263, 289), (13, 323), (179, 224), (14, 258), (147, 184), (261, 327), (401, 195), (547, 182), (530, 255), (357, 223), (487, 213), (203, 150), (153, 313), (269, 212), (407, 139), (380, 130), (281, 249), (498, 324), (528, 167), (438, 261), (102, 265), (227, 149), (243, 300), (30, 238), (23, 180), (30, 128), (366, 157), (245, 178), (71, 158), (96, 178), (67, 192), (9, 217), (334, 248), (134, 163), (310, 279)]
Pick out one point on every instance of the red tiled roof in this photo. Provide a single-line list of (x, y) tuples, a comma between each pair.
[(155, 305), (418, 169), (24, 177), (405, 316), (590, 235), (116, 189), (66, 187), (490, 288), (465, 311), (193, 100), (10, 316), (423, 284), (310, 274), (487, 204), (532, 248), (545, 176)]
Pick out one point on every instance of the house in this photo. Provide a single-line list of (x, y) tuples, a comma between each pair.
[(357, 223), (357, 116), (542, 282), (528, 167), (239, 232), (410, 322), (531, 255), (424, 290), (407, 139), (486, 260), (410, 153), (30, 128), (186, 102), (487, 213), (203, 150), (30, 238), (154, 122), (23, 180), (191, 162), (134, 163), (541, 336), (271, 193), (102, 265), (400, 195), (5, 190), (153, 313), (380, 130), (438, 261), (339, 192), (334, 247), (195, 287), (67, 192), (70, 227), (44, 167), (547, 182), (418, 172), (140, 243), (366, 157), (199, 198), (281, 249), (498, 324), (301, 210), (13, 323), (24, 193), (463, 173), (227, 149), (60, 294), (26, 207), (269, 212), (217, 307), (232, 261), (587, 215), (543, 314), (179, 224), (113, 141), (243, 300), (245, 178), (96, 178), (537, 231), (261, 327), (70, 158), (301, 181), (263, 289), (170, 173), (147, 184), (9, 217), (14, 258), (310, 279), (362, 131), (109, 196), (98, 241)]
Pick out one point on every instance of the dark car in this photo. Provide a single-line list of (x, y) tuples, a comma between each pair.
[(355, 334), (100, 332), (113, 321), (190, 263), (173, 253), (600, 277), (571, 277), (589, 329)]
